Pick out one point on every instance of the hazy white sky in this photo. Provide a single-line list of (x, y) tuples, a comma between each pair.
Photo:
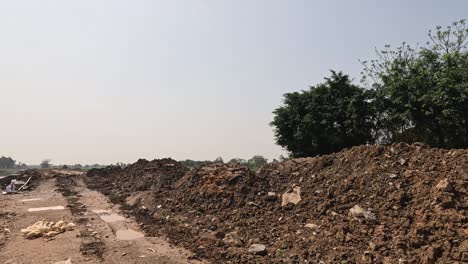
[(101, 81)]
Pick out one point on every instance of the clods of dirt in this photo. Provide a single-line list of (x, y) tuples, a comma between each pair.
[(5, 220), (215, 187), (143, 175), (65, 185), (91, 243), (368, 204)]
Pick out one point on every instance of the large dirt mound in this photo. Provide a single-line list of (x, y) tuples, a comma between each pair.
[(376, 203), (368, 204), (142, 175), (217, 186)]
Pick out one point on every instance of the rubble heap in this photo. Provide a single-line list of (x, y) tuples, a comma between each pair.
[(368, 204)]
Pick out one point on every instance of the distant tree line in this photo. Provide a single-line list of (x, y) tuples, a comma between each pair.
[(409, 94), (9, 163), (91, 166), (253, 163), (194, 163)]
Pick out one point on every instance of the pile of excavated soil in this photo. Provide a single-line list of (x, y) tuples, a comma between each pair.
[(142, 175), (217, 186), (34, 174), (368, 204)]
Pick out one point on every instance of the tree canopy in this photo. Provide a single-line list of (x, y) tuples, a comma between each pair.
[(253, 163), (413, 94), (422, 93), (45, 164), (7, 163), (326, 118)]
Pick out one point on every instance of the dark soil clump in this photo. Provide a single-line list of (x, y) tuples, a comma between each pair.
[(64, 186), (91, 245), (143, 175)]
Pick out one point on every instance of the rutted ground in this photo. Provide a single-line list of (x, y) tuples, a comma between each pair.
[(94, 238), (368, 204)]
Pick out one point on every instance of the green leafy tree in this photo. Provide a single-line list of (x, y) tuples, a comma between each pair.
[(326, 118), (21, 165), (121, 164), (422, 93), (256, 162), (7, 163), (237, 161), (45, 164), (194, 163), (218, 160)]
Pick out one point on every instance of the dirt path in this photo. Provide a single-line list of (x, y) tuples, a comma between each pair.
[(102, 234)]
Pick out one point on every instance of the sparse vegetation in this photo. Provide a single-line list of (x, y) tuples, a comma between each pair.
[(253, 163)]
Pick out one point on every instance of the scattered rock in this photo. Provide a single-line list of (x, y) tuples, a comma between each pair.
[(403, 198), (67, 261), (408, 173), (257, 249), (311, 226), (445, 186), (293, 196), (360, 213), (233, 239), (271, 196)]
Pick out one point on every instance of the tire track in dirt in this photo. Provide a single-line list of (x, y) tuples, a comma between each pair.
[(90, 243)]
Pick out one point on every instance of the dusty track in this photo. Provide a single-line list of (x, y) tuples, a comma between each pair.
[(92, 241)]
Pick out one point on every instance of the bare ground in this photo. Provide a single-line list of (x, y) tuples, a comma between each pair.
[(93, 240)]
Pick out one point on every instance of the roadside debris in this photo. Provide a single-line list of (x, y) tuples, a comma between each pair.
[(28, 179), (67, 261), (46, 229), (25, 184), (10, 187)]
